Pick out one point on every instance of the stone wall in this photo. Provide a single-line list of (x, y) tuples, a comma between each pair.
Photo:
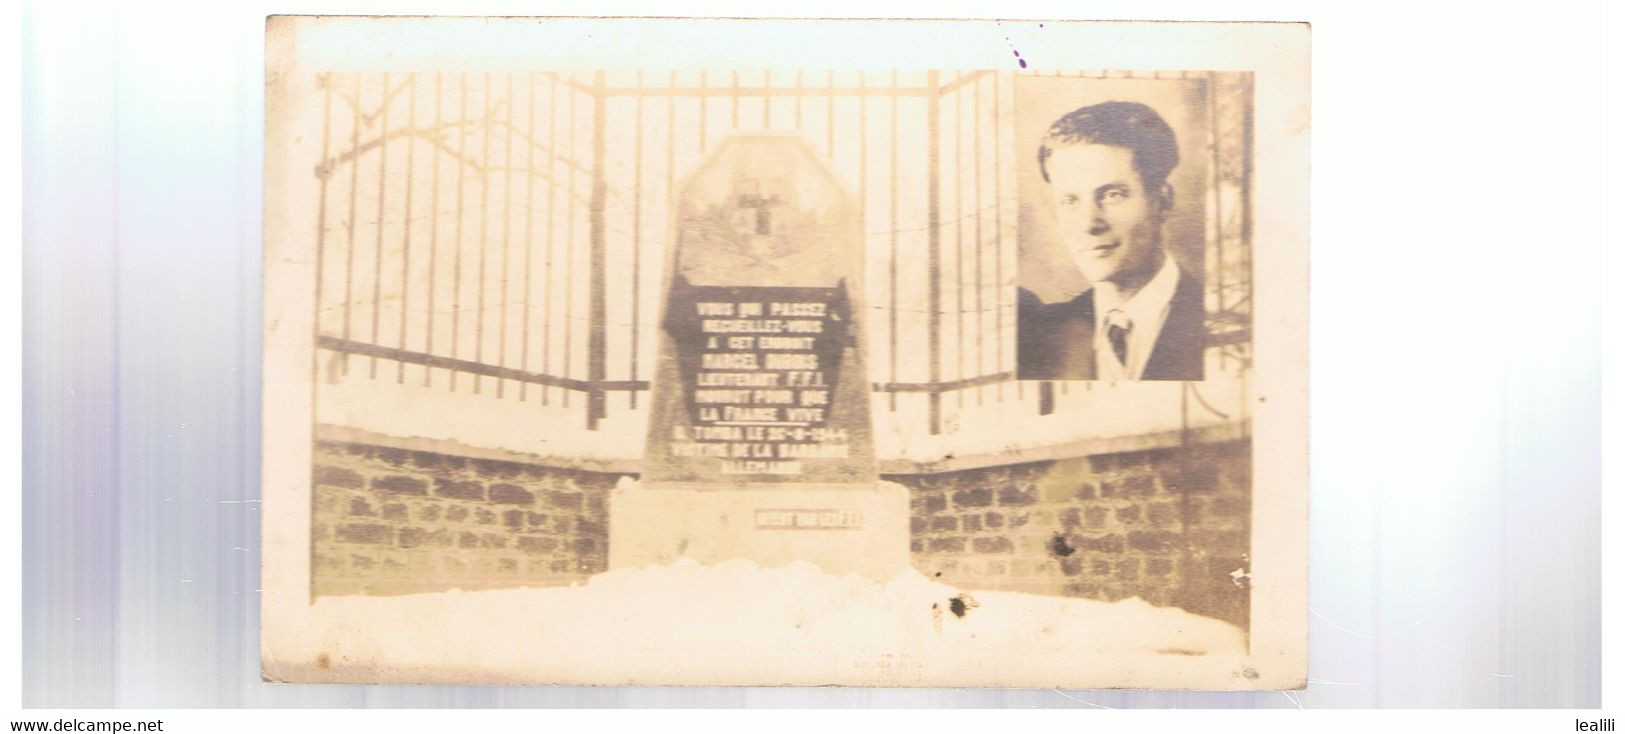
[(390, 521), (1169, 526)]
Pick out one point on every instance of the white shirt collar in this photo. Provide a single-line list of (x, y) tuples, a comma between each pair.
[(1146, 311), (1148, 305)]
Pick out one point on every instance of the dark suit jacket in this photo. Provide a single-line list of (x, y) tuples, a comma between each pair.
[(1056, 341)]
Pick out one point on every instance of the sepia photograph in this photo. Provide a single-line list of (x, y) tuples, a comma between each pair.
[(760, 376), (938, 366), (1120, 214)]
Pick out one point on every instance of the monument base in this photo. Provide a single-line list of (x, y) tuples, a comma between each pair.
[(842, 529)]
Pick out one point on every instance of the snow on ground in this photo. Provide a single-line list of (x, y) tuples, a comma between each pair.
[(735, 623)]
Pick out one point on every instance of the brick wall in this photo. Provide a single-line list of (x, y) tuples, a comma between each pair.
[(390, 521), (1166, 525)]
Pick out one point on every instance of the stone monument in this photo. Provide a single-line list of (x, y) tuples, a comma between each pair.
[(760, 444)]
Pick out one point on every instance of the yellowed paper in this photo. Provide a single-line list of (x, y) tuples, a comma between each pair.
[(745, 352)]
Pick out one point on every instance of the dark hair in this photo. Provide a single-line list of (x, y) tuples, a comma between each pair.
[(1120, 124)]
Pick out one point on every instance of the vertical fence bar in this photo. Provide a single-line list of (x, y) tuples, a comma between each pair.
[(891, 225), (457, 241), (998, 236), (976, 204), (321, 233), (530, 223), (1216, 161), (434, 226), (829, 124), (507, 231), (959, 240), (570, 245), (349, 224), (637, 240), (1245, 246), (671, 187), (378, 239), (597, 407), (485, 225), (1216, 145), (933, 184), (552, 201), (671, 156), (406, 218)]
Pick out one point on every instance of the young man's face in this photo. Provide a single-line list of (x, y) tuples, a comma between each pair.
[(1109, 224)]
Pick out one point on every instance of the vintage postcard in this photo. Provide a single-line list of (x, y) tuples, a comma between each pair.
[(786, 352)]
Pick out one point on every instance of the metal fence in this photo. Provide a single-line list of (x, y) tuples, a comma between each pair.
[(505, 232)]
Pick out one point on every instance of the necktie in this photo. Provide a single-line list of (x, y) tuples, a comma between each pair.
[(1117, 326)]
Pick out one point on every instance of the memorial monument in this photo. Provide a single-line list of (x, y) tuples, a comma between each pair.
[(760, 444)]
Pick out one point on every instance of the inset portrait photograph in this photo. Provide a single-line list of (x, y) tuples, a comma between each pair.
[(1112, 179)]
